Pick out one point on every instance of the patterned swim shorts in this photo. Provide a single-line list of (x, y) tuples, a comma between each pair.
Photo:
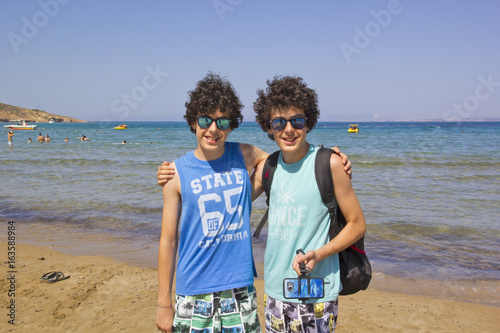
[(298, 317), (229, 311)]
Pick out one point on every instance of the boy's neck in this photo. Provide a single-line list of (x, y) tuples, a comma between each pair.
[(295, 156), (207, 155)]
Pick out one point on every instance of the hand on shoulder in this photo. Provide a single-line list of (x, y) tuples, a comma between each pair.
[(345, 161), (166, 172)]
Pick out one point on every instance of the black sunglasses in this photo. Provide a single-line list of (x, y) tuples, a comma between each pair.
[(279, 123), (222, 123)]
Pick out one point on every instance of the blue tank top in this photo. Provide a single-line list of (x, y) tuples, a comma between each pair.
[(215, 249), (298, 218)]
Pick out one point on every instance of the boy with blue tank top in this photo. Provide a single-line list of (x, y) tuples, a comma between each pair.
[(287, 110), (210, 203)]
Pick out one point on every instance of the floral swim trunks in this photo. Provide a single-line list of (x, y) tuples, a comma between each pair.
[(233, 310), (297, 317)]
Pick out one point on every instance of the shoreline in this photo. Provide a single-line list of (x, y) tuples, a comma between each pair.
[(142, 252), (122, 297)]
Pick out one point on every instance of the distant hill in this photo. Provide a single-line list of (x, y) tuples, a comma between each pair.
[(9, 113)]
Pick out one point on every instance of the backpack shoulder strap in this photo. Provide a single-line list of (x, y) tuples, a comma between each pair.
[(324, 179), (267, 179), (268, 173)]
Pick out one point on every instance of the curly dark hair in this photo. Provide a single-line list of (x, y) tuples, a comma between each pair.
[(284, 92), (213, 93)]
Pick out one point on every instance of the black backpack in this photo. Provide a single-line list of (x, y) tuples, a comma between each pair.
[(355, 268)]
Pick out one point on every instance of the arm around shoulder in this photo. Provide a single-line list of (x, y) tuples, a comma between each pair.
[(252, 155), (256, 179)]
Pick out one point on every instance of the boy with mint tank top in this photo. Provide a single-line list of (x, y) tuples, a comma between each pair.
[(287, 110), (210, 201)]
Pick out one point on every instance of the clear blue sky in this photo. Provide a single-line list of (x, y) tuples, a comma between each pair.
[(368, 60)]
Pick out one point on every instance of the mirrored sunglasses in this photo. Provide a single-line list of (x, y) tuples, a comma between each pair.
[(279, 124), (222, 123)]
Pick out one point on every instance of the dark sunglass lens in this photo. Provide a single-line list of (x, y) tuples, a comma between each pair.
[(223, 123), (298, 123), (204, 121), (278, 124)]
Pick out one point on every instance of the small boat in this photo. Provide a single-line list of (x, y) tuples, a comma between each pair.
[(21, 125), (353, 128), (51, 121), (122, 126)]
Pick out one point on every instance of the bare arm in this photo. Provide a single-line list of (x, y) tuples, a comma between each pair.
[(167, 252), (254, 160), (256, 179), (253, 156), (349, 205)]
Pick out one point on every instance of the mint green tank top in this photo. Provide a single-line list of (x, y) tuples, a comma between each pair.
[(298, 218)]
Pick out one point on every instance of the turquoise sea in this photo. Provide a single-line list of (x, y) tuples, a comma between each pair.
[(430, 191)]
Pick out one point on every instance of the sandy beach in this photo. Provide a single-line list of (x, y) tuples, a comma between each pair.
[(103, 295)]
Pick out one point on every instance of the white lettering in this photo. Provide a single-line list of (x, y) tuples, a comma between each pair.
[(206, 179), (239, 176), (196, 186), (228, 177), (283, 216), (218, 180), (238, 236)]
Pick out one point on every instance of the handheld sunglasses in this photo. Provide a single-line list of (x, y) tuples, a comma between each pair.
[(279, 123), (222, 123)]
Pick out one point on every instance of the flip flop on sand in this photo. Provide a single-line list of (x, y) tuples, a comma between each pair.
[(59, 276), (48, 275), (52, 277)]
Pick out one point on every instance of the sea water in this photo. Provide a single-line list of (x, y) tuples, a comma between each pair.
[(430, 191)]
